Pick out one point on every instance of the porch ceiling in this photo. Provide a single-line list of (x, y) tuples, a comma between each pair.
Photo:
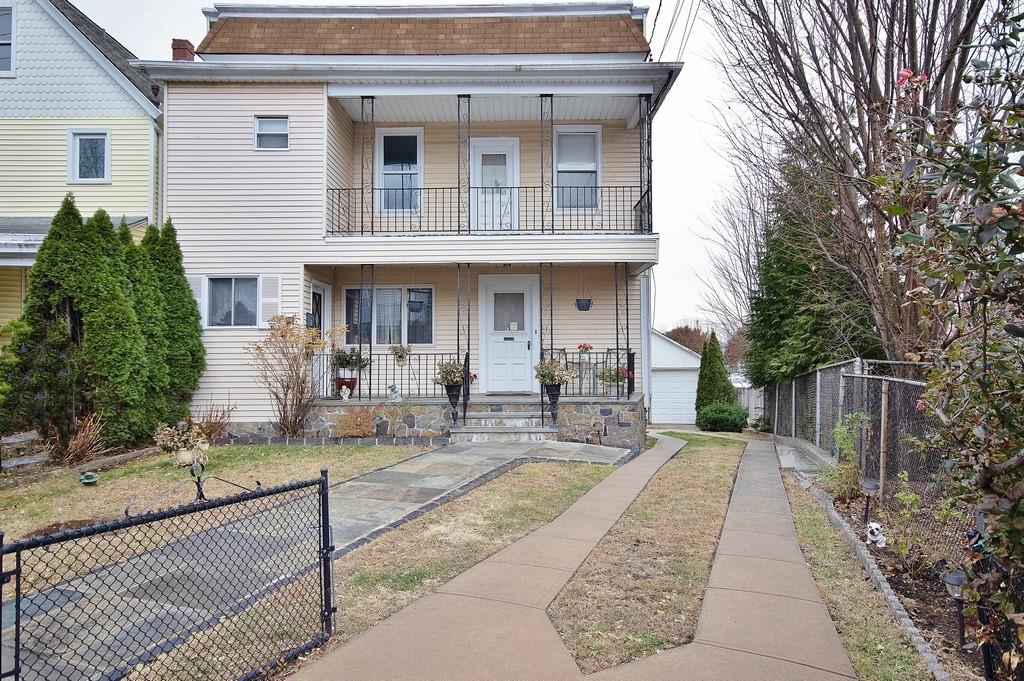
[(443, 108)]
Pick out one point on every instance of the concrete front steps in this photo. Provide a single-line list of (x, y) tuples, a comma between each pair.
[(503, 426)]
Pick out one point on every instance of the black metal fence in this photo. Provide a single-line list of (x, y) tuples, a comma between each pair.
[(221, 589), (489, 210)]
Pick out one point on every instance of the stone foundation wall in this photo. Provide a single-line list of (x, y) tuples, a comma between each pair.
[(611, 423), (335, 420)]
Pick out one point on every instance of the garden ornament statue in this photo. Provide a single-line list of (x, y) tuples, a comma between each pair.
[(393, 394), (344, 393), (875, 536)]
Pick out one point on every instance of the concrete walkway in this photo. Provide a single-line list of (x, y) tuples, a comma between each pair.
[(762, 615), (365, 507)]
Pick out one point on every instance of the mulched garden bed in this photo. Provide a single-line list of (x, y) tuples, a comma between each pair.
[(925, 598)]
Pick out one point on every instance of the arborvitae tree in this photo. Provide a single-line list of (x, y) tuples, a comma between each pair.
[(80, 348), (186, 356), (149, 304), (713, 384)]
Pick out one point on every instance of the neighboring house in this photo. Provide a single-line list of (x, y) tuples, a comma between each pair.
[(74, 116), (453, 178), (674, 369)]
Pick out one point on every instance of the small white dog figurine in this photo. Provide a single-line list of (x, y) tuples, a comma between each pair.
[(875, 535)]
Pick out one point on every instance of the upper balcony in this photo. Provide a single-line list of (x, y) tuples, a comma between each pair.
[(489, 165)]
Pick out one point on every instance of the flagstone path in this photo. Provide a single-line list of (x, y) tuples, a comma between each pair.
[(762, 615)]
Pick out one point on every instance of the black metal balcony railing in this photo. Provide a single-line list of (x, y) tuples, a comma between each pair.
[(599, 373), (492, 210)]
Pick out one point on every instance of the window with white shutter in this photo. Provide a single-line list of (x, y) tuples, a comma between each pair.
[(195, 283)]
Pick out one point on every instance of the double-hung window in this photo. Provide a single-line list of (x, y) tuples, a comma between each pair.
[(401, 315), (271, 133), (399, 154), (577, 165), (6, 40), (88, 156), (232, 301)]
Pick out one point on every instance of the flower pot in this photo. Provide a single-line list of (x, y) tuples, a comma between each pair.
[(400, 361), (346, 382), (583, 304), (184, 457), (454, 391), (554, 392)]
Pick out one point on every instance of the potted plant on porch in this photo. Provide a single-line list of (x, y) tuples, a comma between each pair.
[(401, 353), (552, 375), (450, 375), (349, 363)]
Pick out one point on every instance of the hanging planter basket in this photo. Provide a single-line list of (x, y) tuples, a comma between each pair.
[(583, 304)]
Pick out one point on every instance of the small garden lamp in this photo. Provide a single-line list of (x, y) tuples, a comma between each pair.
[(870, 489), (954, 581)]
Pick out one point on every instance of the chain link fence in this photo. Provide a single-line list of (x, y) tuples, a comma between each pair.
[(220, 589), (890, 439)]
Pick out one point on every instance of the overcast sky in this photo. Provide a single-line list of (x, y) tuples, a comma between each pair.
[(689, 174)]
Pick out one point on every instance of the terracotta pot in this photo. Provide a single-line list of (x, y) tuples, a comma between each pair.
[(348, 382)]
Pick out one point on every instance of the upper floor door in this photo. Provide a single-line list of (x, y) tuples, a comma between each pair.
[(494, 182)]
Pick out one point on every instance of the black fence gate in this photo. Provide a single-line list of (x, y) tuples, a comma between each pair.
[(221, 589)]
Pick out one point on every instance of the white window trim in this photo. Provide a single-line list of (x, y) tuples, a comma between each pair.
[(14, 39), (378, 167), (345, 288), (599, 152), (73, 135), (205, 312), (256, 132)]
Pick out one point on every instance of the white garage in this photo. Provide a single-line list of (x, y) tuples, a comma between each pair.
[(674, 370)]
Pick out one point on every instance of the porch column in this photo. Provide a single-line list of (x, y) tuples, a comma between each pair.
[(463, 135), (644, 223), (547, 166), (366, 284), (618, 329), (366, 179)]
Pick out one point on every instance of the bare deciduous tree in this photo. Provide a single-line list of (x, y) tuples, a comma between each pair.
[(828, 73)]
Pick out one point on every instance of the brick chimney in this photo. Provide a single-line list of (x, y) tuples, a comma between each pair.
[(182, 50)]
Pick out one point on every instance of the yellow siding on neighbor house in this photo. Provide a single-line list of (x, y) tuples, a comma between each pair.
[(34, 167), (12, 293)]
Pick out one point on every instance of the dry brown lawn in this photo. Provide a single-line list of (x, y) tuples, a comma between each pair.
[(640, 590), (60, 501)]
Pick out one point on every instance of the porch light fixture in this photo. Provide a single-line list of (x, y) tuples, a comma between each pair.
[(954, 581), (870, 489), (584, 302)]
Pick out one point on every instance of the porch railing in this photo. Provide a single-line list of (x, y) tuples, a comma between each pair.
[(414, 378), (492, 210), (597, 371)]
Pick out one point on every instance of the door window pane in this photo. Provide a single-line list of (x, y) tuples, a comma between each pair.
[(357, 316), (421, 316), (510, 311), (389, 316), (494, 170), (316, 309)]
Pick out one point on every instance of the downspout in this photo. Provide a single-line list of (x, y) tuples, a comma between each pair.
[(645, 337)]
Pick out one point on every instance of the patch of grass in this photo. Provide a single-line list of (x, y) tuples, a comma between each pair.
[(395, 569), (649, 442), (640, 590), (60, 498), (876, 644)]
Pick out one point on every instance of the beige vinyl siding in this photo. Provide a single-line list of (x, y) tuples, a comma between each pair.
[(620, 150), (34, 167), (12, 294), (242, 211), (571, 327)]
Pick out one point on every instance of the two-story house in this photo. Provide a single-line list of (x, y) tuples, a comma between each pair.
[(74, 116), (473, 182)]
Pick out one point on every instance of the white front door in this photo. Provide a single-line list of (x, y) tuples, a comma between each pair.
[(320, 319), (495, 183), (508, 330)]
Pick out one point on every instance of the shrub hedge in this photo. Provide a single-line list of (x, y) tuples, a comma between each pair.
[(722, 418)]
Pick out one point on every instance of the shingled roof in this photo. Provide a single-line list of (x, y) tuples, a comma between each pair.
[(116, 53), (443, 35)]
